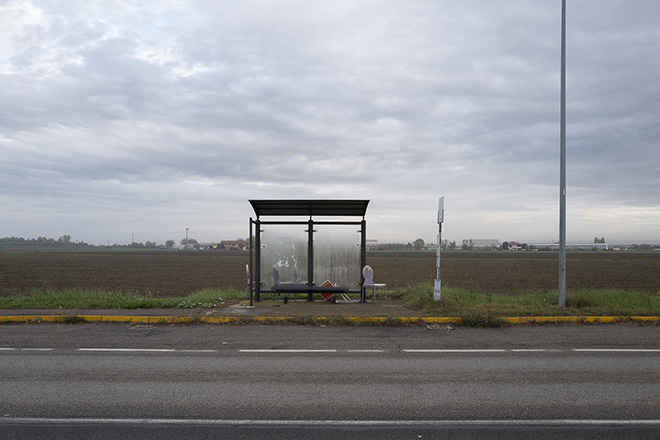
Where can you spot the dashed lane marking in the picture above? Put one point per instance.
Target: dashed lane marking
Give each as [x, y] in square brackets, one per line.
[285, 351]
[131, 350]
[449, 350]
[25, 349]
[617, 350]
[353, 351]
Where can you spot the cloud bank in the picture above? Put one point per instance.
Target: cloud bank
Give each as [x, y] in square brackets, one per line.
[139, 119]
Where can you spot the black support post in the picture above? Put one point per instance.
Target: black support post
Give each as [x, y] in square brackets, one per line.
[257, 263]
[310, 257]
[363, 255]
[251, 268]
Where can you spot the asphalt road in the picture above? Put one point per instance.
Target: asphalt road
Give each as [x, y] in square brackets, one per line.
[313, 382]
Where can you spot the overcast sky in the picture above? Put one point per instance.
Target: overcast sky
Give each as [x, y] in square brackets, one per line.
[122, 119]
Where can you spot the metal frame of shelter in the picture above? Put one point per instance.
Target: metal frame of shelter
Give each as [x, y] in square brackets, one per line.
[309, 209]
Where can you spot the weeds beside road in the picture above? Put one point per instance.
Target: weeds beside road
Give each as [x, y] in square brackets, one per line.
[473, 308]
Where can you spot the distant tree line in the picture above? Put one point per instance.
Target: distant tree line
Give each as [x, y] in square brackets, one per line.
[19, 243]
[469, 245]
[65, 243]
[642, 247]
[62, 243]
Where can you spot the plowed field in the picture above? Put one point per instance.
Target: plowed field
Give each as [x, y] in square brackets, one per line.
[174, 273]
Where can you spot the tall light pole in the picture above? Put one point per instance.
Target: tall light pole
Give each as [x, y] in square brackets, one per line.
[562, 165]
[187, 237]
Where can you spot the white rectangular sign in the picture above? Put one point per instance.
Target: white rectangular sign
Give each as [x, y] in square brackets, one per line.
[441, 210]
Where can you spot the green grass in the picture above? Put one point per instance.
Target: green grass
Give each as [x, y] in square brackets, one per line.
[98, 299]
[470, 304]
[475, 308]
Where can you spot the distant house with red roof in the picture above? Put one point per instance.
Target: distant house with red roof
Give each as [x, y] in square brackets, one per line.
[515, 246]
[234, 245]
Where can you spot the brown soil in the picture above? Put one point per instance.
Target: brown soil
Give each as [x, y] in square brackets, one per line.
[174, 273]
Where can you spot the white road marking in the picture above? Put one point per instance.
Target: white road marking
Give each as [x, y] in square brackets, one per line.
[131, 350]
[25, 349]
[449, 350]
[533, 350]
[284, 351]
[617, 350]
[257, 422]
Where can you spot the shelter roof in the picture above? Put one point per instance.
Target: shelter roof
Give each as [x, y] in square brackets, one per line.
[310, 207]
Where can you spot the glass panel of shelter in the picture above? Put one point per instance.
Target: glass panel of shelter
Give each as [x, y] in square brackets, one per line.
[283, 249]
[337, 255]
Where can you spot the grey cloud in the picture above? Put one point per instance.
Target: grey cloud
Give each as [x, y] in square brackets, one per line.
[182, 108]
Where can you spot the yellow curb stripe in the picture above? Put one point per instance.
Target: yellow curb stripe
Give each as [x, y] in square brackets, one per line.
[645, 318]
[577, 319]
[321, 319]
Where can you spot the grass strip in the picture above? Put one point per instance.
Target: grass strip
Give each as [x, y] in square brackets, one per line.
[99, 299]
[473, 305]
[474, 308]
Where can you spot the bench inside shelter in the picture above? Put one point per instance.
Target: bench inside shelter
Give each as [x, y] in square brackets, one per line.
[309, 290]
[299, 287]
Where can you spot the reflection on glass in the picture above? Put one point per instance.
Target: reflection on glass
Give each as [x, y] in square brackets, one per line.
[283, 249]
[337, 255]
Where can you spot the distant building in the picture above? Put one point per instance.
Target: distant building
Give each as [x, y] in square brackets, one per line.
[237, 245]
[205, 245]
[515, 246]
[574, 246]
[485, 243]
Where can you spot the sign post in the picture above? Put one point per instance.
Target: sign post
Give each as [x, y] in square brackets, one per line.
[437, 293]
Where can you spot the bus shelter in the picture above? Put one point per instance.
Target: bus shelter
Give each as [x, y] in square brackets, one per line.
[308, 247]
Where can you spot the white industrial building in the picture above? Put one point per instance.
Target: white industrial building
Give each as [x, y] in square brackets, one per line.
[485, 243]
